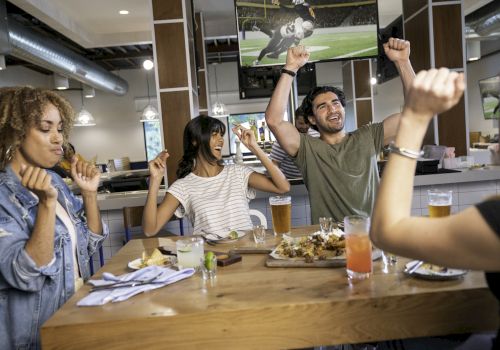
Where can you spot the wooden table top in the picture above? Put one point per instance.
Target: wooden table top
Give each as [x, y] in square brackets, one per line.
[253, 306]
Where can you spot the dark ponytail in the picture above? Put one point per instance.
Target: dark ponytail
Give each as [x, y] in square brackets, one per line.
[197, 134]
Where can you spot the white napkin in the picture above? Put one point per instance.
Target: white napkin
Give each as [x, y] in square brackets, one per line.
[163, 276]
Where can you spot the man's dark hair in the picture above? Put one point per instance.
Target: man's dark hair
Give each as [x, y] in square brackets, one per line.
[307, 103]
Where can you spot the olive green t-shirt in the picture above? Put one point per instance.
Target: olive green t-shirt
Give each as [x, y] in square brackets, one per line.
[342, 178]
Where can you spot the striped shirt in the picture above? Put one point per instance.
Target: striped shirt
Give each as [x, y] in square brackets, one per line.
[286, 163]
[217, 203]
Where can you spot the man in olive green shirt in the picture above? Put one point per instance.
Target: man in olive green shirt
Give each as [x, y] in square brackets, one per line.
[339, 168]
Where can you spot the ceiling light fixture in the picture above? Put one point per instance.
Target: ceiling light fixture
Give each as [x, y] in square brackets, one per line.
[473, 50]
[88, 91]
[219, 109]
[60, 82]
[123, 12]
[2, 62]
[84, 117]
[149, 113]
[148, 64]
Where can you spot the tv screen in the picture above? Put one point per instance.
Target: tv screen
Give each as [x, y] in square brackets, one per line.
[258, 82]
[251, 121]
[330, 29]
[386, 70]
[490, 97]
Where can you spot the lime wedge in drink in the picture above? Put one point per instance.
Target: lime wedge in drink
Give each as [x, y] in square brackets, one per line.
[209, 260]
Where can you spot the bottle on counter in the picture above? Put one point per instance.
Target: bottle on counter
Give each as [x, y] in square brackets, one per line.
[262, 132]
[253, 127]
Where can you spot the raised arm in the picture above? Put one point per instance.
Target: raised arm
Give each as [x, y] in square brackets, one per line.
[277, 183]
[155, 216]
[287, 135]
[464, 240]
[398, 51]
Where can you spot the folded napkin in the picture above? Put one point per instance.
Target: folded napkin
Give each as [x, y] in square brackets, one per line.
[162, 277]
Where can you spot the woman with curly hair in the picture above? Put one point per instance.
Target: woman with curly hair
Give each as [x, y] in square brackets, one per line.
[47, 235]
[213, 196]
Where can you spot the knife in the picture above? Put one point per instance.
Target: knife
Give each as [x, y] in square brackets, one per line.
[122, 285]
[414, 267]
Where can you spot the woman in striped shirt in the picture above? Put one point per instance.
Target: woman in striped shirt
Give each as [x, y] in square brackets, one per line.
[212, 195]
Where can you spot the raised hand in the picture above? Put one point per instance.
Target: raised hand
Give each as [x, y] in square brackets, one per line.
[85, 175]
[434, 91]
[157, 166]
[38, 181]
[246, 136]
[397, 50]
[296, 57]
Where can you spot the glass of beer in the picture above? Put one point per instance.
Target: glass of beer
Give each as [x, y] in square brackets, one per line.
[281, 209]
[439, 203]
[358, 247]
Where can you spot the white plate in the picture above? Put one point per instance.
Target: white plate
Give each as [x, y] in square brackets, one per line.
[135, 264]
[425, 273]
[214, 239]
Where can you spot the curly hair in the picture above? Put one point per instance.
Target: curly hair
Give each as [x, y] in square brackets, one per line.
[197, 134]
[21, 108]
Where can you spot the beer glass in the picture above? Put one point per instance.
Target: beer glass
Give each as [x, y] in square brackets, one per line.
[281, 209]
[439, 203]
[358, 247]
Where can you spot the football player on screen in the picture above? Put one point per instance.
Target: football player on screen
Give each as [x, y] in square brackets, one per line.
[290, 33]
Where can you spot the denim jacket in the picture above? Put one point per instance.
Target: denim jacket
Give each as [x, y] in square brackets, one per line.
[29, 294]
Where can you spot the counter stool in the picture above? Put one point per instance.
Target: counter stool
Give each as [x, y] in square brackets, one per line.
[132, 217]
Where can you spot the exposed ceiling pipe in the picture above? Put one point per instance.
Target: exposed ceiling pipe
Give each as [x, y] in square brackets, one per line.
[485, 21]
[33, 47]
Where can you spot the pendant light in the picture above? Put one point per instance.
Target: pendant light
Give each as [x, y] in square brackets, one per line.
[219, 109]
[84, 117]
[149, 113]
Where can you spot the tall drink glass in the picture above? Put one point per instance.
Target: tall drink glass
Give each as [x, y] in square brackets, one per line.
[281, 209]
[439, 203]
[358, 247]
[190, 252]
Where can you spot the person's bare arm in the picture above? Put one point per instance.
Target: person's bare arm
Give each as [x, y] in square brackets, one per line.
[155, 216]
[398, 51]
[464, 240]
[276, 182]
[287, 135]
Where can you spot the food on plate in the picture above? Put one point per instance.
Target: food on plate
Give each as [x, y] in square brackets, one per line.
[434, 268]
[156, 258]
[316, 246]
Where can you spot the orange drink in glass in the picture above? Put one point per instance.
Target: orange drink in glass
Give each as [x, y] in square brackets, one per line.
[358, 247]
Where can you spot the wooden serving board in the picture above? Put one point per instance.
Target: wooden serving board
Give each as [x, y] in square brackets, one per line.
[338, 262]
[251, 250]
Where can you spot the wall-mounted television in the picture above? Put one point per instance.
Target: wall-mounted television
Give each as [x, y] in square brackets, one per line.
[490, 97]
[330, 29]
[386, 70]
[247, 120]
[258, 82]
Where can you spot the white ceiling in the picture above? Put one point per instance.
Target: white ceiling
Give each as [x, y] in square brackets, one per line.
[97, 23]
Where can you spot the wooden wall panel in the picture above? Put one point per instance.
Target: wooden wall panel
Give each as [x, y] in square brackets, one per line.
[362, 79]
[167, 9]
[170, 51]
[175, 116]
[451, 125]
[202, 90]
[448, 36]
[417, 32]
[412, 6]
[200, 57]
[363, 112]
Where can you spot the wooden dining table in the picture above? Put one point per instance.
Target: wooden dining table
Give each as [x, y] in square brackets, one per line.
[250, 305]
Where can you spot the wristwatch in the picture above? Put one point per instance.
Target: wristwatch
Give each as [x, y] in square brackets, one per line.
[289, 72]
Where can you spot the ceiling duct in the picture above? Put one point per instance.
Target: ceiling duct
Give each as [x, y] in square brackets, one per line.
[484, 21]
[33, 47]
